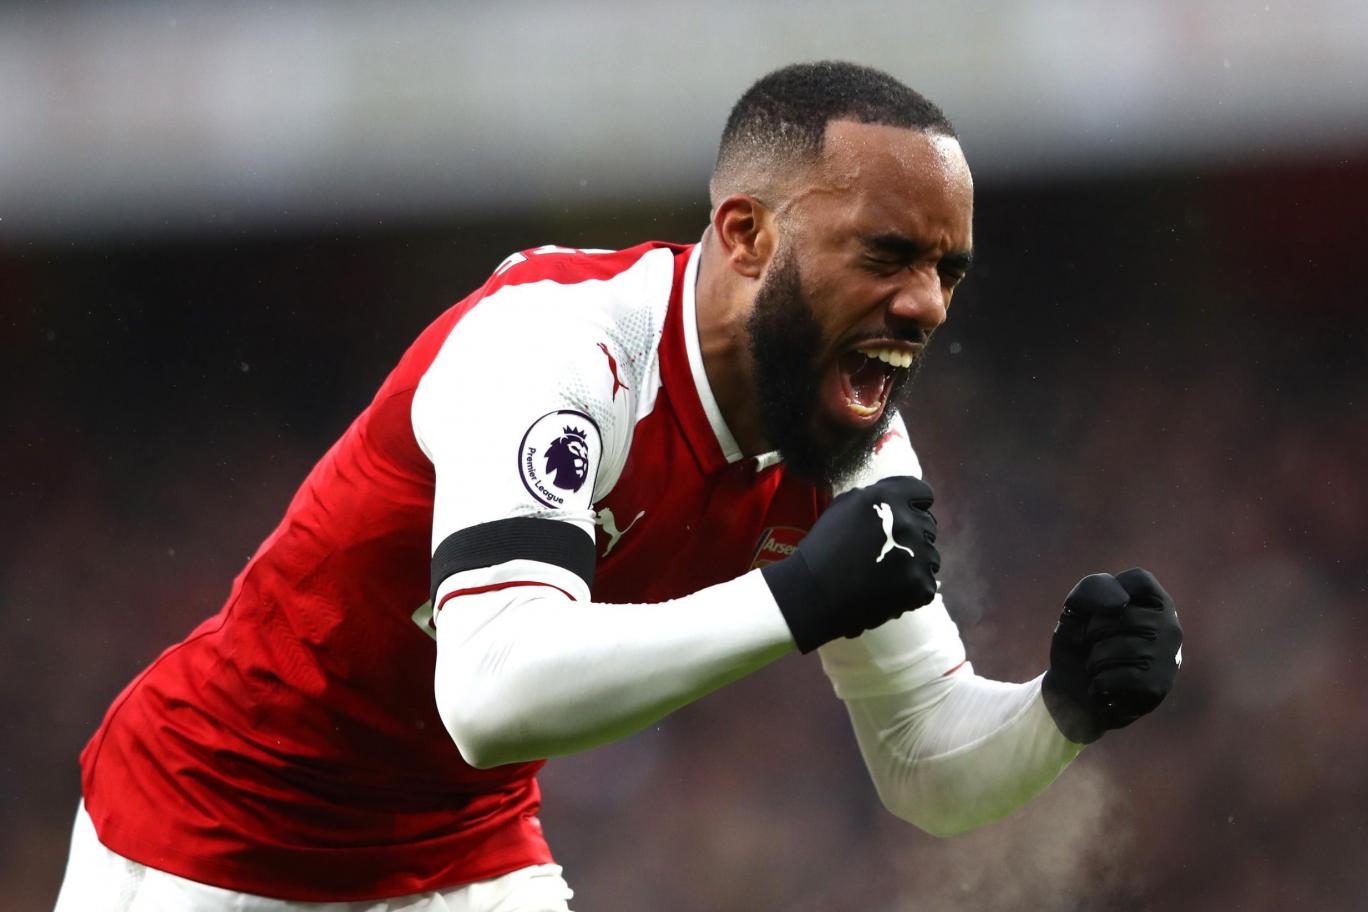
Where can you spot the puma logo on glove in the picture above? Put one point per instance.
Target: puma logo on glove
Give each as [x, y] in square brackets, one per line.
[886, 517]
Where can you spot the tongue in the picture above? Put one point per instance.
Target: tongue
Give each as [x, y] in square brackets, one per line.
[865, 378]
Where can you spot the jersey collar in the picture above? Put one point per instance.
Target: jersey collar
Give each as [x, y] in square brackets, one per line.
[731, 452]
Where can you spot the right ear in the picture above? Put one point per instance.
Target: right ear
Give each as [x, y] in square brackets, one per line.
[745, 228]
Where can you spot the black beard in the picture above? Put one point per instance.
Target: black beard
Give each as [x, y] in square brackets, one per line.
[784, 342]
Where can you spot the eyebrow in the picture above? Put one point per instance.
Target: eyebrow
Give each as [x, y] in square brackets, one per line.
[900, 246]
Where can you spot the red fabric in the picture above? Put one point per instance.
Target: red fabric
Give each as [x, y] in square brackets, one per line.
[291, 745]
[495, 587]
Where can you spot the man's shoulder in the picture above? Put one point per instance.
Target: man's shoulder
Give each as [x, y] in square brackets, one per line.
[557, 298]
[555, 330]
[554, 308]
[558, 265]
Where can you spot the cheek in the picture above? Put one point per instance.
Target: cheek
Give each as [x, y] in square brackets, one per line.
[855, 303]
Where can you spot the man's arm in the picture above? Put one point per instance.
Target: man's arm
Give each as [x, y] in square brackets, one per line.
[530, 670]
[528, 673]
[949, 750]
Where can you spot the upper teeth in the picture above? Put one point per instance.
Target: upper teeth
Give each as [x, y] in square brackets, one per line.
[888, 355]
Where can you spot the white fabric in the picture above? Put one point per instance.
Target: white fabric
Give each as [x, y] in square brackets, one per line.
[524, 673]
[523, 353]
[960, 751]
[897, 657]
[951, 752]
[98, 880]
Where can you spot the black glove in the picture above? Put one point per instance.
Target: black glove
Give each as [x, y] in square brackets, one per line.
[1114, 654]
[870, 557]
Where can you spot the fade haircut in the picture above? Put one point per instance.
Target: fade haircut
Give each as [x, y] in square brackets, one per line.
[780, 122]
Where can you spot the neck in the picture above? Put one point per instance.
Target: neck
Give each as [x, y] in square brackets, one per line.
[722, 305]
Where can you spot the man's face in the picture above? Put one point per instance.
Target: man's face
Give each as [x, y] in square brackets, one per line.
[873, 242]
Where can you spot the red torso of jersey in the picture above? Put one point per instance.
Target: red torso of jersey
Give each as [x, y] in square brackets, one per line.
[291, 746]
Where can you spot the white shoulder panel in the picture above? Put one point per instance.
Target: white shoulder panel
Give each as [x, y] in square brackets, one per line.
[529, 406]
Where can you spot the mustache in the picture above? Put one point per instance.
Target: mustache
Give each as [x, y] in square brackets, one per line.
[912, 335]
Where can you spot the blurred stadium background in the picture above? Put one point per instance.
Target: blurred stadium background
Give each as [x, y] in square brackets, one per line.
[220, 224]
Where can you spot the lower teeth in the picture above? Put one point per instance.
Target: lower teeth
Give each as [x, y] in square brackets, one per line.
[862, 410]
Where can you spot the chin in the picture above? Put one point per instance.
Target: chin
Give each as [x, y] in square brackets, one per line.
[831, 453]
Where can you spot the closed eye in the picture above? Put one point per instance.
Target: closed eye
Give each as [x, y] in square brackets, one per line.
[889, 252]
[884, 266]
[952, 277]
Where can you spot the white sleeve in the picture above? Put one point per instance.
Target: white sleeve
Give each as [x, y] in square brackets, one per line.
[956, 751]
[524, 674]
[946, 749]
[521, 411]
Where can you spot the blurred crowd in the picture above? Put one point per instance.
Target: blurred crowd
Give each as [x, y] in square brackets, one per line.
[1165, 370]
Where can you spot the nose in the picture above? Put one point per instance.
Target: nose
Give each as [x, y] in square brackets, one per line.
[921, 299]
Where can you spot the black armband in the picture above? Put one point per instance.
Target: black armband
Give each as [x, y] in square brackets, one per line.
[550, 541]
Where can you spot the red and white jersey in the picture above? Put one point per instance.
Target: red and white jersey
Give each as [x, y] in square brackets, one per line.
[291, 746]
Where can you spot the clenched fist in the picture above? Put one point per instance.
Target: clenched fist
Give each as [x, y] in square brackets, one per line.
[1114, 655]
[870, 557]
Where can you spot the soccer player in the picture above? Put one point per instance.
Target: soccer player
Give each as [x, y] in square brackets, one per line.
[603, 485]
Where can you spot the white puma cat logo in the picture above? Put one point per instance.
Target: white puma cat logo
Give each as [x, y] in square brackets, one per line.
[606, 519]
[886, 517]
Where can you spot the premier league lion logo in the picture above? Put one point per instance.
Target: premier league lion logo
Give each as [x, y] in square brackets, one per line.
[557, 456]
[567, 460]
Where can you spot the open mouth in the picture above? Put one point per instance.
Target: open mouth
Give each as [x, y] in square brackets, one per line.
[866, 377]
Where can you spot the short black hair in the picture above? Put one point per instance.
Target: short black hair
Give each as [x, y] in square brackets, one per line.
[784, 115]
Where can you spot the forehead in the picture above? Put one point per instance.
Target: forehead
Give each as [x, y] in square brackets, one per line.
[874, 178]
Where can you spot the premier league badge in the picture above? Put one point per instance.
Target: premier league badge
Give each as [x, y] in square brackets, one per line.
[557, 457]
